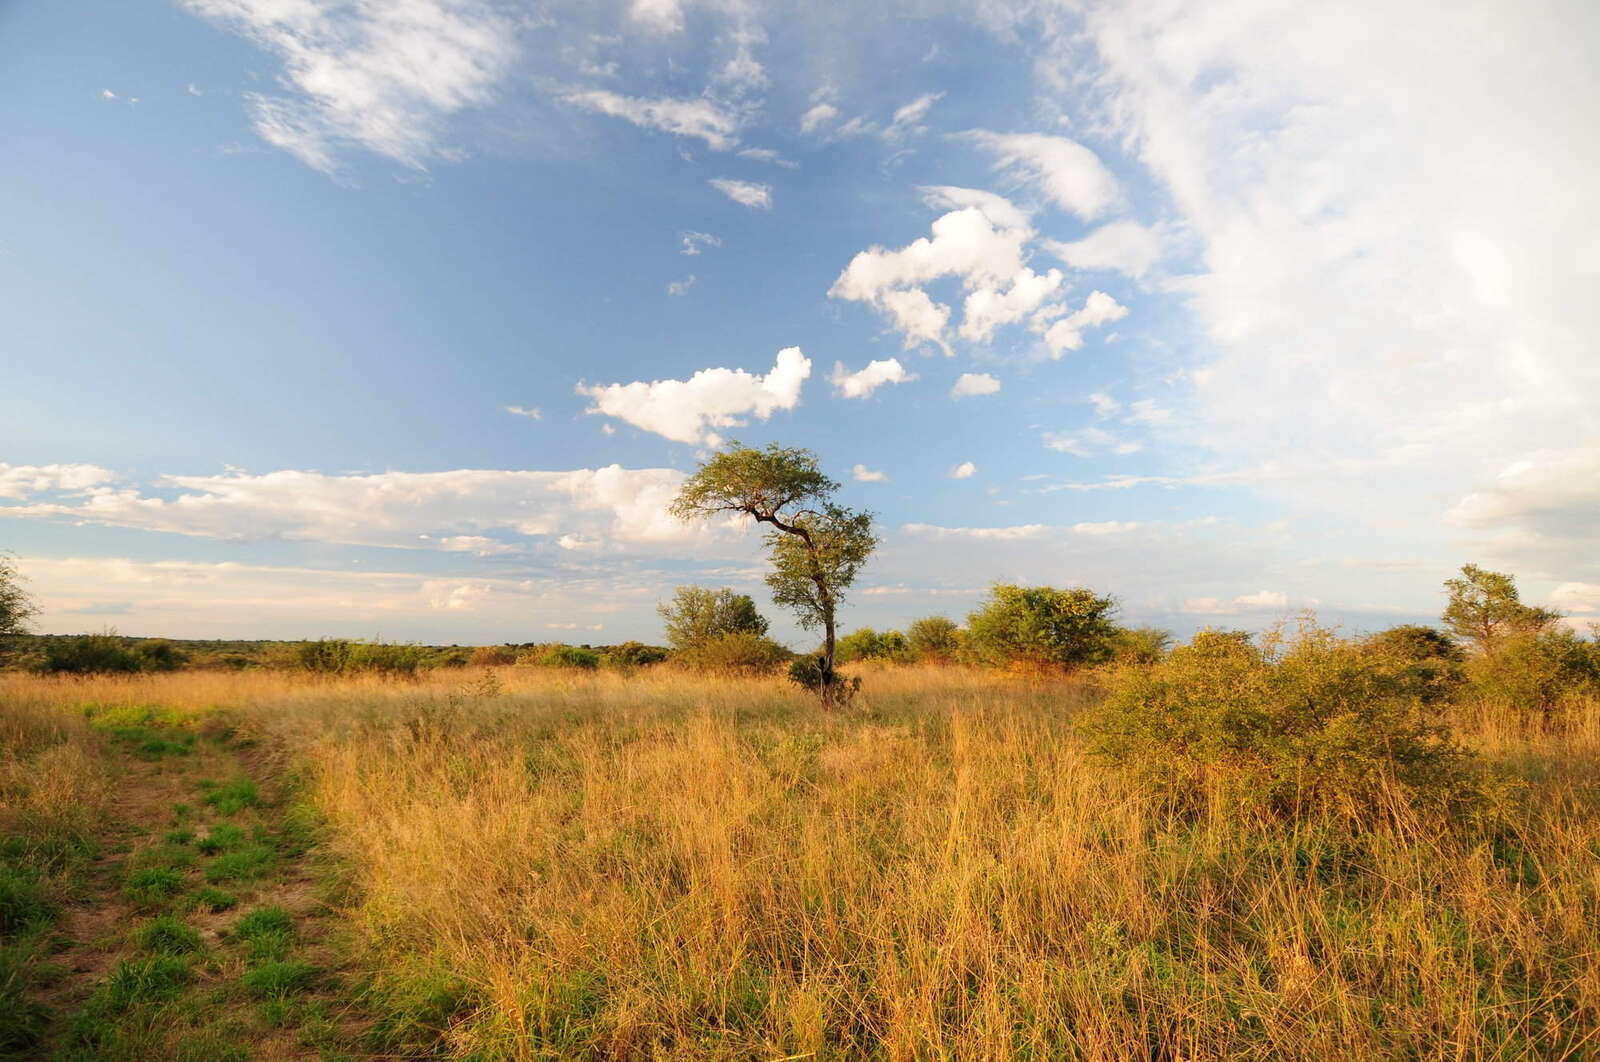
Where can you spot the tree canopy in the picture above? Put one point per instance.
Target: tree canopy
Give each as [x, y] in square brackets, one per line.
[16, 607]
[697, 614]
[1484, 608]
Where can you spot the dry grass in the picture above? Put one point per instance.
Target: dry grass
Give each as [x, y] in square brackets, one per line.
[595, 866]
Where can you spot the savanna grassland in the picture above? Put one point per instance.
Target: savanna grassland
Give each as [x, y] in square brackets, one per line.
[525, 863]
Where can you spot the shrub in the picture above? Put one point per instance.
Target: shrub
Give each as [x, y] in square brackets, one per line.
[559, 655]
[1536, 672]
[1140, 646]
[1424, 659]
[630, 655]
[807, 671]
[868, 644]
[158, 654]
[934, 639]
[738, 653]
[698, 614]
[325, 656]
[91, 654]
[1307, 725]
[493, 656]
[338, 656]
[1041, 627]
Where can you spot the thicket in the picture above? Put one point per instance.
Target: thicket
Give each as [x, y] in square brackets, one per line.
[340, 656]
[109, 654]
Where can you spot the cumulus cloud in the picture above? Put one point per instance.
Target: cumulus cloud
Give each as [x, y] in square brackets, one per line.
[863, 382]
[1067, 333]
[965, 470]
[969, 384]
[383, 77]
[1121, 247]
[988, 308]
[863, 474]
[1071, 174]
[745, 193]
[698, 118]
[19, 481]
[687, 411]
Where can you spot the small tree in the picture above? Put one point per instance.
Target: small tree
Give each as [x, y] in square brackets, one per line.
[16, 607]
[816, 547]
[1484, 608]
[697, 614]
[1040, 626]
[934, 638]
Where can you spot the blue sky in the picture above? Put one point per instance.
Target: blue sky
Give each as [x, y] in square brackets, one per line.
[1225, 309]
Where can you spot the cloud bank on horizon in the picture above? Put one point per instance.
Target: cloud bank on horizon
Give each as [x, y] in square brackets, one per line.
[1230, 309]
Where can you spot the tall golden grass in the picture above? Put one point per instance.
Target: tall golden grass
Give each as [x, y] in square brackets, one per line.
[660, 866]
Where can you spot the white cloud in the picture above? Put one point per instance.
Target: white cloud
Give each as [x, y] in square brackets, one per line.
[19, 481]
[919, 319]
[1003, 534]
[1001, 212]
[696, 242]
[450, 511]
[1089, 442]
[382, 76]
[1071, 174]
[1261, 601]
[1268, 599]
[974, 383]
[530, 412]
[1148, 411]
[1067, 333]
[863, 382]
[698, 118]
[681, 287]
[1576, 597]
[1122, 247]
[908, 118]
[107, 94]
[455, 597]
[194, 90]
[863, 474]
[818, 116]
[1104, 405]
[745, 193]
[767, 155]
[659, 16]
[688, 410]
[1106, 527]
[988, 308]
[965, 470]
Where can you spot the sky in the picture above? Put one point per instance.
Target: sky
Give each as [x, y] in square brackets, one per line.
[405, 318]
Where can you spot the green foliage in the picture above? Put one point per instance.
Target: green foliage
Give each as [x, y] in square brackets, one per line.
[697, 614]
[16, 607]
[741, 652]
[23, 1019]
[221, 838]
[1140, 646]
[266, 932]
[241, 864]
[494, 656]
[25, 904]
[136, 981]
[1536, 672]
[811, 672]
[1485, 608]
[1042, 627]
[214, 899]
[1425, 657]
[813, 564]
[339, 656]
[275, 980]
[233, 797]
[168, 935]
[868, 644]
[560, 655]
[934, 639]
[151, 886]
[631, 655]
[91, 654]
[158, 654]
[1305, 726]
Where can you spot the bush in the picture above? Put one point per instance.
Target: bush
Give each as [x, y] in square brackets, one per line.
[631, 655]
[807, 671]
[158, 654]
[1041, 627]
[339, 656]
[1426, 660]
[738, 653]
[493, 656]
[868, 644]
[91, 654]
[1304, 726]
[697, 615]
[1140, 646]
[559, 655]
[1537, 673]
[934, 639]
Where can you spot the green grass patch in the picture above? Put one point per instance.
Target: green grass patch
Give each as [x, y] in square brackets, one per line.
[244, 864]
[230, 798]
[181, 812]
[211, 898]
[152, 886]
[153, 980]
[172, 855]
[23, 1020]
[266, 933]
[221, 838]
[169, 935]
[181, 835]
[277, 980]
[25, 904]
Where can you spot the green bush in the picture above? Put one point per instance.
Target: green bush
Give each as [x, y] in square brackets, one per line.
[339, 656]
[739, 653]
[1140, 646]
[934, 639]
[1302, 726]
[807, 672]
[1536, 673]
[562, 656]
[699, 614]
[158, 654]
[631, 655]
[91, 654]
[1425, 659]
[868, 644]
[1040, 627]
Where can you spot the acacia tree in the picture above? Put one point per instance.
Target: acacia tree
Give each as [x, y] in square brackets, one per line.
[16, 607]
[1484, 608]
[697, 614]
[816, 547]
